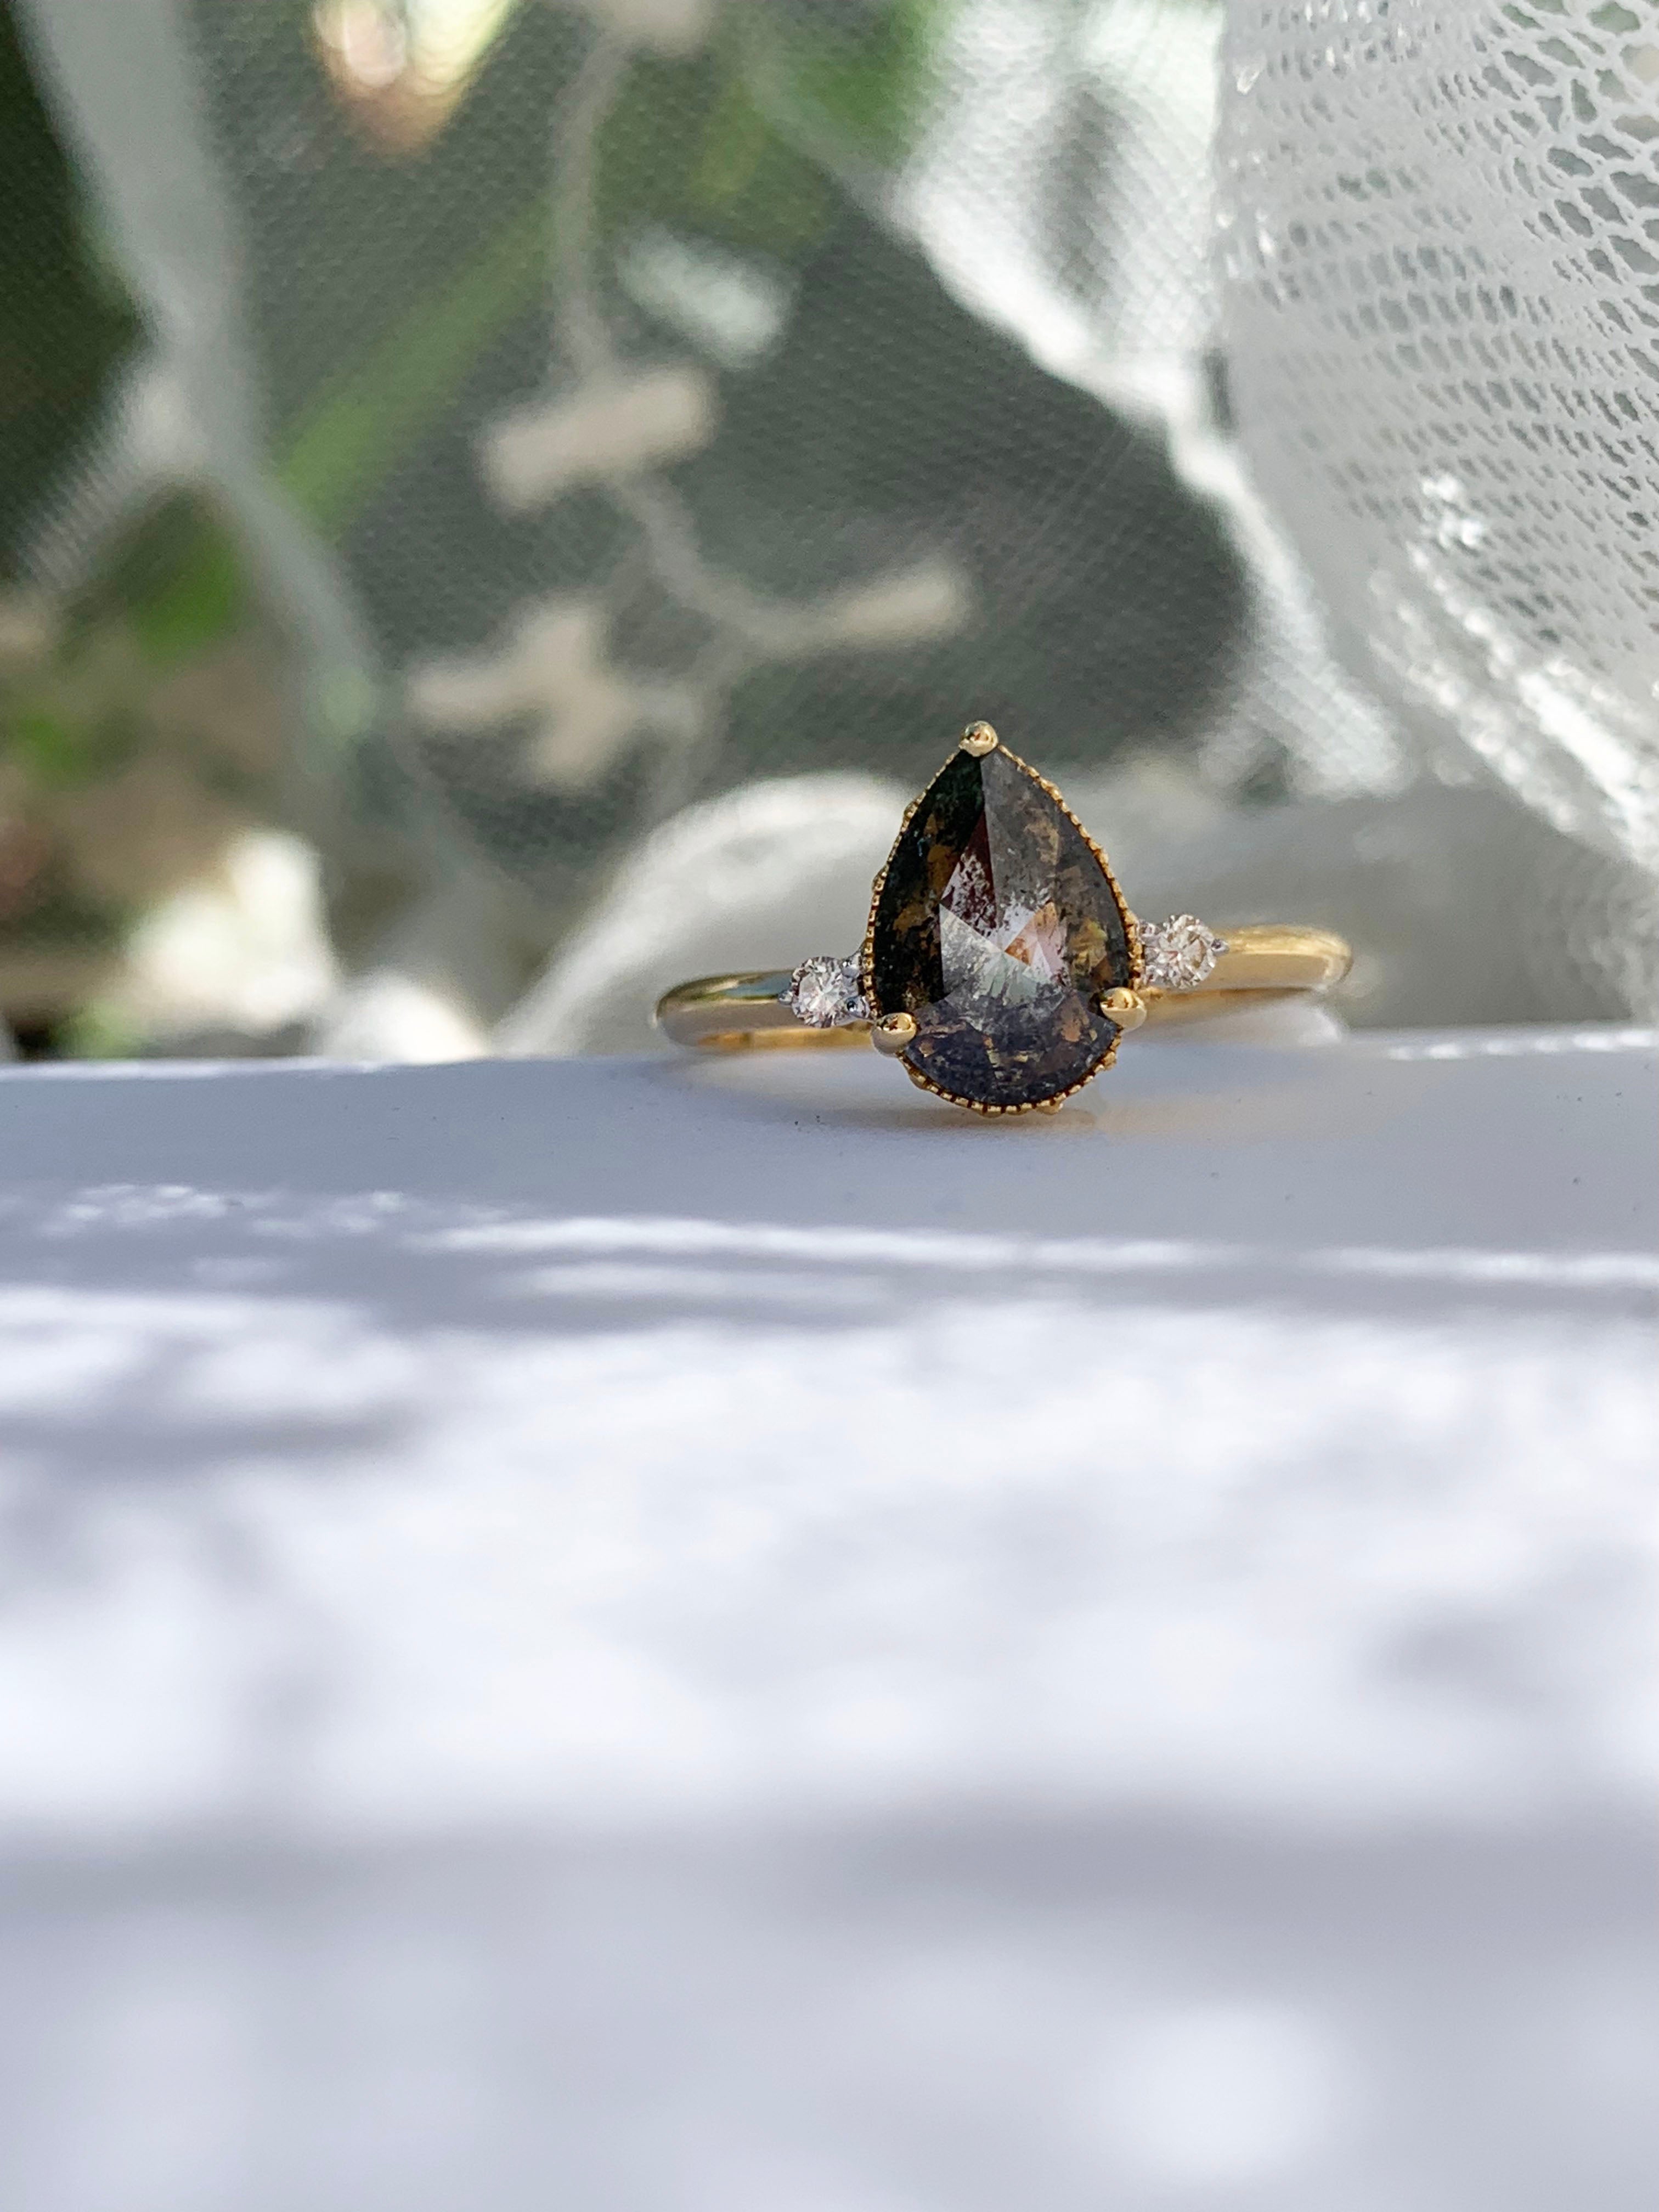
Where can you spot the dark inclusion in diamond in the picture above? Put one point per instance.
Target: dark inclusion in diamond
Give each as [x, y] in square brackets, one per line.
[998, 929]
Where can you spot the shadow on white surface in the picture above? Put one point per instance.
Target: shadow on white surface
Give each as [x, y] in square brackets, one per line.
[690, 1645]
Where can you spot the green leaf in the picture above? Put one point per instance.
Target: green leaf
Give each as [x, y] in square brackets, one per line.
[47, 745]
[352, 437]
[175, 580]
[192, 605]
[686, 145]
[867, 88]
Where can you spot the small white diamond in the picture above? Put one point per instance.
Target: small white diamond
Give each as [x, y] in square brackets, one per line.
[825, 992]
[1179, 952]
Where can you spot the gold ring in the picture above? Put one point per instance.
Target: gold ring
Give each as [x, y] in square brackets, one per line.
[1001, 965]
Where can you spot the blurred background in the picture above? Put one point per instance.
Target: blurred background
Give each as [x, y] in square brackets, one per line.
[501, 502]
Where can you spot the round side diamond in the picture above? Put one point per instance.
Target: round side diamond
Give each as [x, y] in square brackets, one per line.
[824, 992]
[1179, 952]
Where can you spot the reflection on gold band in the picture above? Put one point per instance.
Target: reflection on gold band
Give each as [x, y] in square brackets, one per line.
[1263, 962]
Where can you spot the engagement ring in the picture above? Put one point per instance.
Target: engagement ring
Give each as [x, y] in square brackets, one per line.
[1001, 965]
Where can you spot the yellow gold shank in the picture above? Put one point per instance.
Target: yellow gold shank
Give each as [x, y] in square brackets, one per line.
[1263, 962]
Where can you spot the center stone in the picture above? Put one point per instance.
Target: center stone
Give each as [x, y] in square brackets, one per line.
[998, 929]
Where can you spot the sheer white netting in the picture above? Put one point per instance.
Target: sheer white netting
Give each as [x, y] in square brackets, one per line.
[1441, 230]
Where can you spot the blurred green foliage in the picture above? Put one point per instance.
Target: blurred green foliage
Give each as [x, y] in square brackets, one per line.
[863, 87]
[66, 328]
[701, 146]
[171, 585]
[171, 588]
[746, 144]
[177, 579]
[361, 425]
[687, 146]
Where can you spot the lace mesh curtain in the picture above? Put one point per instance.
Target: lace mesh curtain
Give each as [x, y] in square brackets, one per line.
[571, 468]
[1441, 247]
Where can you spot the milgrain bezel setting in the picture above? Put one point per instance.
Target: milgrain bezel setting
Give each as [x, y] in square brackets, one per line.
[978, 739]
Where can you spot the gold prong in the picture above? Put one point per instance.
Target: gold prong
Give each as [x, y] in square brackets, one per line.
[893, 1032]
[1050, 1105]
[1127, 1008]
[978, 738]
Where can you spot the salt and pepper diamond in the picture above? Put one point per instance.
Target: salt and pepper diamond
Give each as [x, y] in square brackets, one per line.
[824, 992]
[996, 935]
[1179, 953]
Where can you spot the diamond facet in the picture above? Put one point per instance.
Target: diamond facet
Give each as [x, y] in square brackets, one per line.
[998, 929]
[825, 992]
[1179, 953]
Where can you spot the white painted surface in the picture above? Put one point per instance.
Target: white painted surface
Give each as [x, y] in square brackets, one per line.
[620, 1634]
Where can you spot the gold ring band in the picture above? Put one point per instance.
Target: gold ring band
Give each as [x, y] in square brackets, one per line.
[1001, 965]
[1264, 962]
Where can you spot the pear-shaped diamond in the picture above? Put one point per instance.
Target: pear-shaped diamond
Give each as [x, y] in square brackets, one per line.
[997, 928]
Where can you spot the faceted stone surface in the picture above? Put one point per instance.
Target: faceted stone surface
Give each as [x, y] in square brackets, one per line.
[998, 929]
[824, 992]
[1179, 953]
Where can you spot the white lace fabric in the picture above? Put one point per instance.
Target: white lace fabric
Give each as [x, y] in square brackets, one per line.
[1441, 230]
